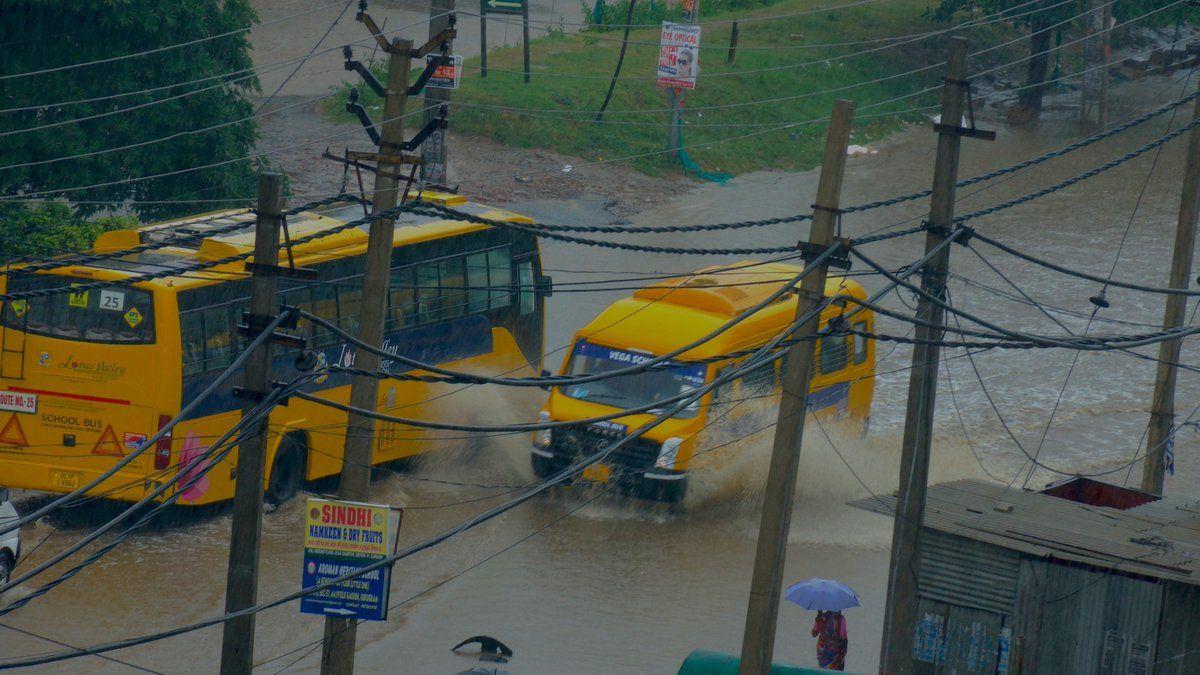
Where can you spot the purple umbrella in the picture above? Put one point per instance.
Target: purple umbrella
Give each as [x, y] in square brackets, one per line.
[822, 594]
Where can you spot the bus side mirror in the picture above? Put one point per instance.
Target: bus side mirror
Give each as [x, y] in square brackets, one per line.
[545, 286]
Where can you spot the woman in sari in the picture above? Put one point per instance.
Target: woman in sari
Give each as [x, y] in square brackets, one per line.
[832, 644]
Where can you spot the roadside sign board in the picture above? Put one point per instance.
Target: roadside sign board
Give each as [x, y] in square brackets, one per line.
[339, 538]
[504, 6]
[690, 9]
[446, 76]
[678, 55]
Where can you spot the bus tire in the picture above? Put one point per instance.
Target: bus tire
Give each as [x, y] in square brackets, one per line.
[287, 472]
[6, 565]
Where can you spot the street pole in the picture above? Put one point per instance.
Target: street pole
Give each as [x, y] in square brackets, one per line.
[525, 36]
[674, 101]
[733, 40]
[758, 641]
[675, 95]
[1106, 58]
[434, 166]
[482, 38]
[1162, 410]
[241, 580]
[900, 614]
[337, 652]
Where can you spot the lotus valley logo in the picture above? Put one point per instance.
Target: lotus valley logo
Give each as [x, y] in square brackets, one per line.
[98, 369]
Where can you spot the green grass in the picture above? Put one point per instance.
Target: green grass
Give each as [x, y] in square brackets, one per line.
[594, 55]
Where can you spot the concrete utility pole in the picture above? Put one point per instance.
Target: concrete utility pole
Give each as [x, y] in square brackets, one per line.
[1162, 410]
[434, 167]
[899, 617]
[337, 652]
[241, 581]
[758, 641]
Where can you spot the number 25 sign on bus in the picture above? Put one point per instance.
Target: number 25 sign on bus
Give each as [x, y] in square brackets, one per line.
[341, 538]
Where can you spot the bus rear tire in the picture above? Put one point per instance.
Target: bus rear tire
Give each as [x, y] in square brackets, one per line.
[287, 473]
[6, 565]
[542, 466]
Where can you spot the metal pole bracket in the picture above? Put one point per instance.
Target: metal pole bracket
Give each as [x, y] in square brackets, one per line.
[810, 252]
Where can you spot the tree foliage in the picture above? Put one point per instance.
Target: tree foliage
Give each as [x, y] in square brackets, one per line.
[41, 34]
[50, 228]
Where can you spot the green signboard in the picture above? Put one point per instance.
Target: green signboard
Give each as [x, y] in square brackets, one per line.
[504, 6]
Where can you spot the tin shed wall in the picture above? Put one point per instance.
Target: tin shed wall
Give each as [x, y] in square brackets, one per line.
[1178, 650]
[1094, 621]
[967, 573]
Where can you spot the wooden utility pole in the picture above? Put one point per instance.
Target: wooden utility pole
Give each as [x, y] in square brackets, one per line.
[899, 617]
[733, 40]
[434, 166]
[758, 641]
[337, 652]
[241, 580]
[1162, 410]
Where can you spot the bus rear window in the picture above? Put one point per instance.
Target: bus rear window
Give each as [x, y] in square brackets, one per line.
[109, 314]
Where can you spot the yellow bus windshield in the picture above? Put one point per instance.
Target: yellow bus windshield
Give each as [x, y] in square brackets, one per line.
[633, 390]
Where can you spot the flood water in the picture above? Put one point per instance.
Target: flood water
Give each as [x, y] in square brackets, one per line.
[612, 586]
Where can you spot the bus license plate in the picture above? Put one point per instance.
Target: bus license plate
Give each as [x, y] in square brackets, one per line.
[64, 479]
[598, 473]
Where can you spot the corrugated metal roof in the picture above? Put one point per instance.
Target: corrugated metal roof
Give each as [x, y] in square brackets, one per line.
[1152, 540]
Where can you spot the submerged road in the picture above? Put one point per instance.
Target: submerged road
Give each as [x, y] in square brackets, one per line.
[619, 587]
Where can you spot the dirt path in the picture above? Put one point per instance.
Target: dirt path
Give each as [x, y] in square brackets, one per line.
[486, 171]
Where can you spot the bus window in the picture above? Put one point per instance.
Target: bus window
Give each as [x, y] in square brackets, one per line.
[500, 277]
[832, 356]
[429, 305]
[218, 337]
[402, 303]
[525, 279]
[452, 281]
[115, 314]
[349, 304]
[477, 279]
[191, 326]
[325, 307]
[860, 343]
[759, 380]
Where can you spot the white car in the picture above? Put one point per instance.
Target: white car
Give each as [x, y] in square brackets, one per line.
[10, 542]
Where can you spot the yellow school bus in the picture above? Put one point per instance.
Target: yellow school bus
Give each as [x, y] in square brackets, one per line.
[88, 376]
[662, 318]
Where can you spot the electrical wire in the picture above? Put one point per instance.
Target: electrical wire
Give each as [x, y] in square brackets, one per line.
[187, 410]
[445, 535]
[259, 412]
[61, 190]
[159, 50]
[768, 352]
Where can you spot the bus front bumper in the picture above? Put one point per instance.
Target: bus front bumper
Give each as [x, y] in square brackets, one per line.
[651, 483]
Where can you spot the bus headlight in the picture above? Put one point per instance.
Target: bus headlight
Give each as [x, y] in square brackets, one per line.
[541, 437]
[666, 456]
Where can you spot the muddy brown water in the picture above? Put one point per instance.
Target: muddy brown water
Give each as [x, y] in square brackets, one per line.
[620, 587]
